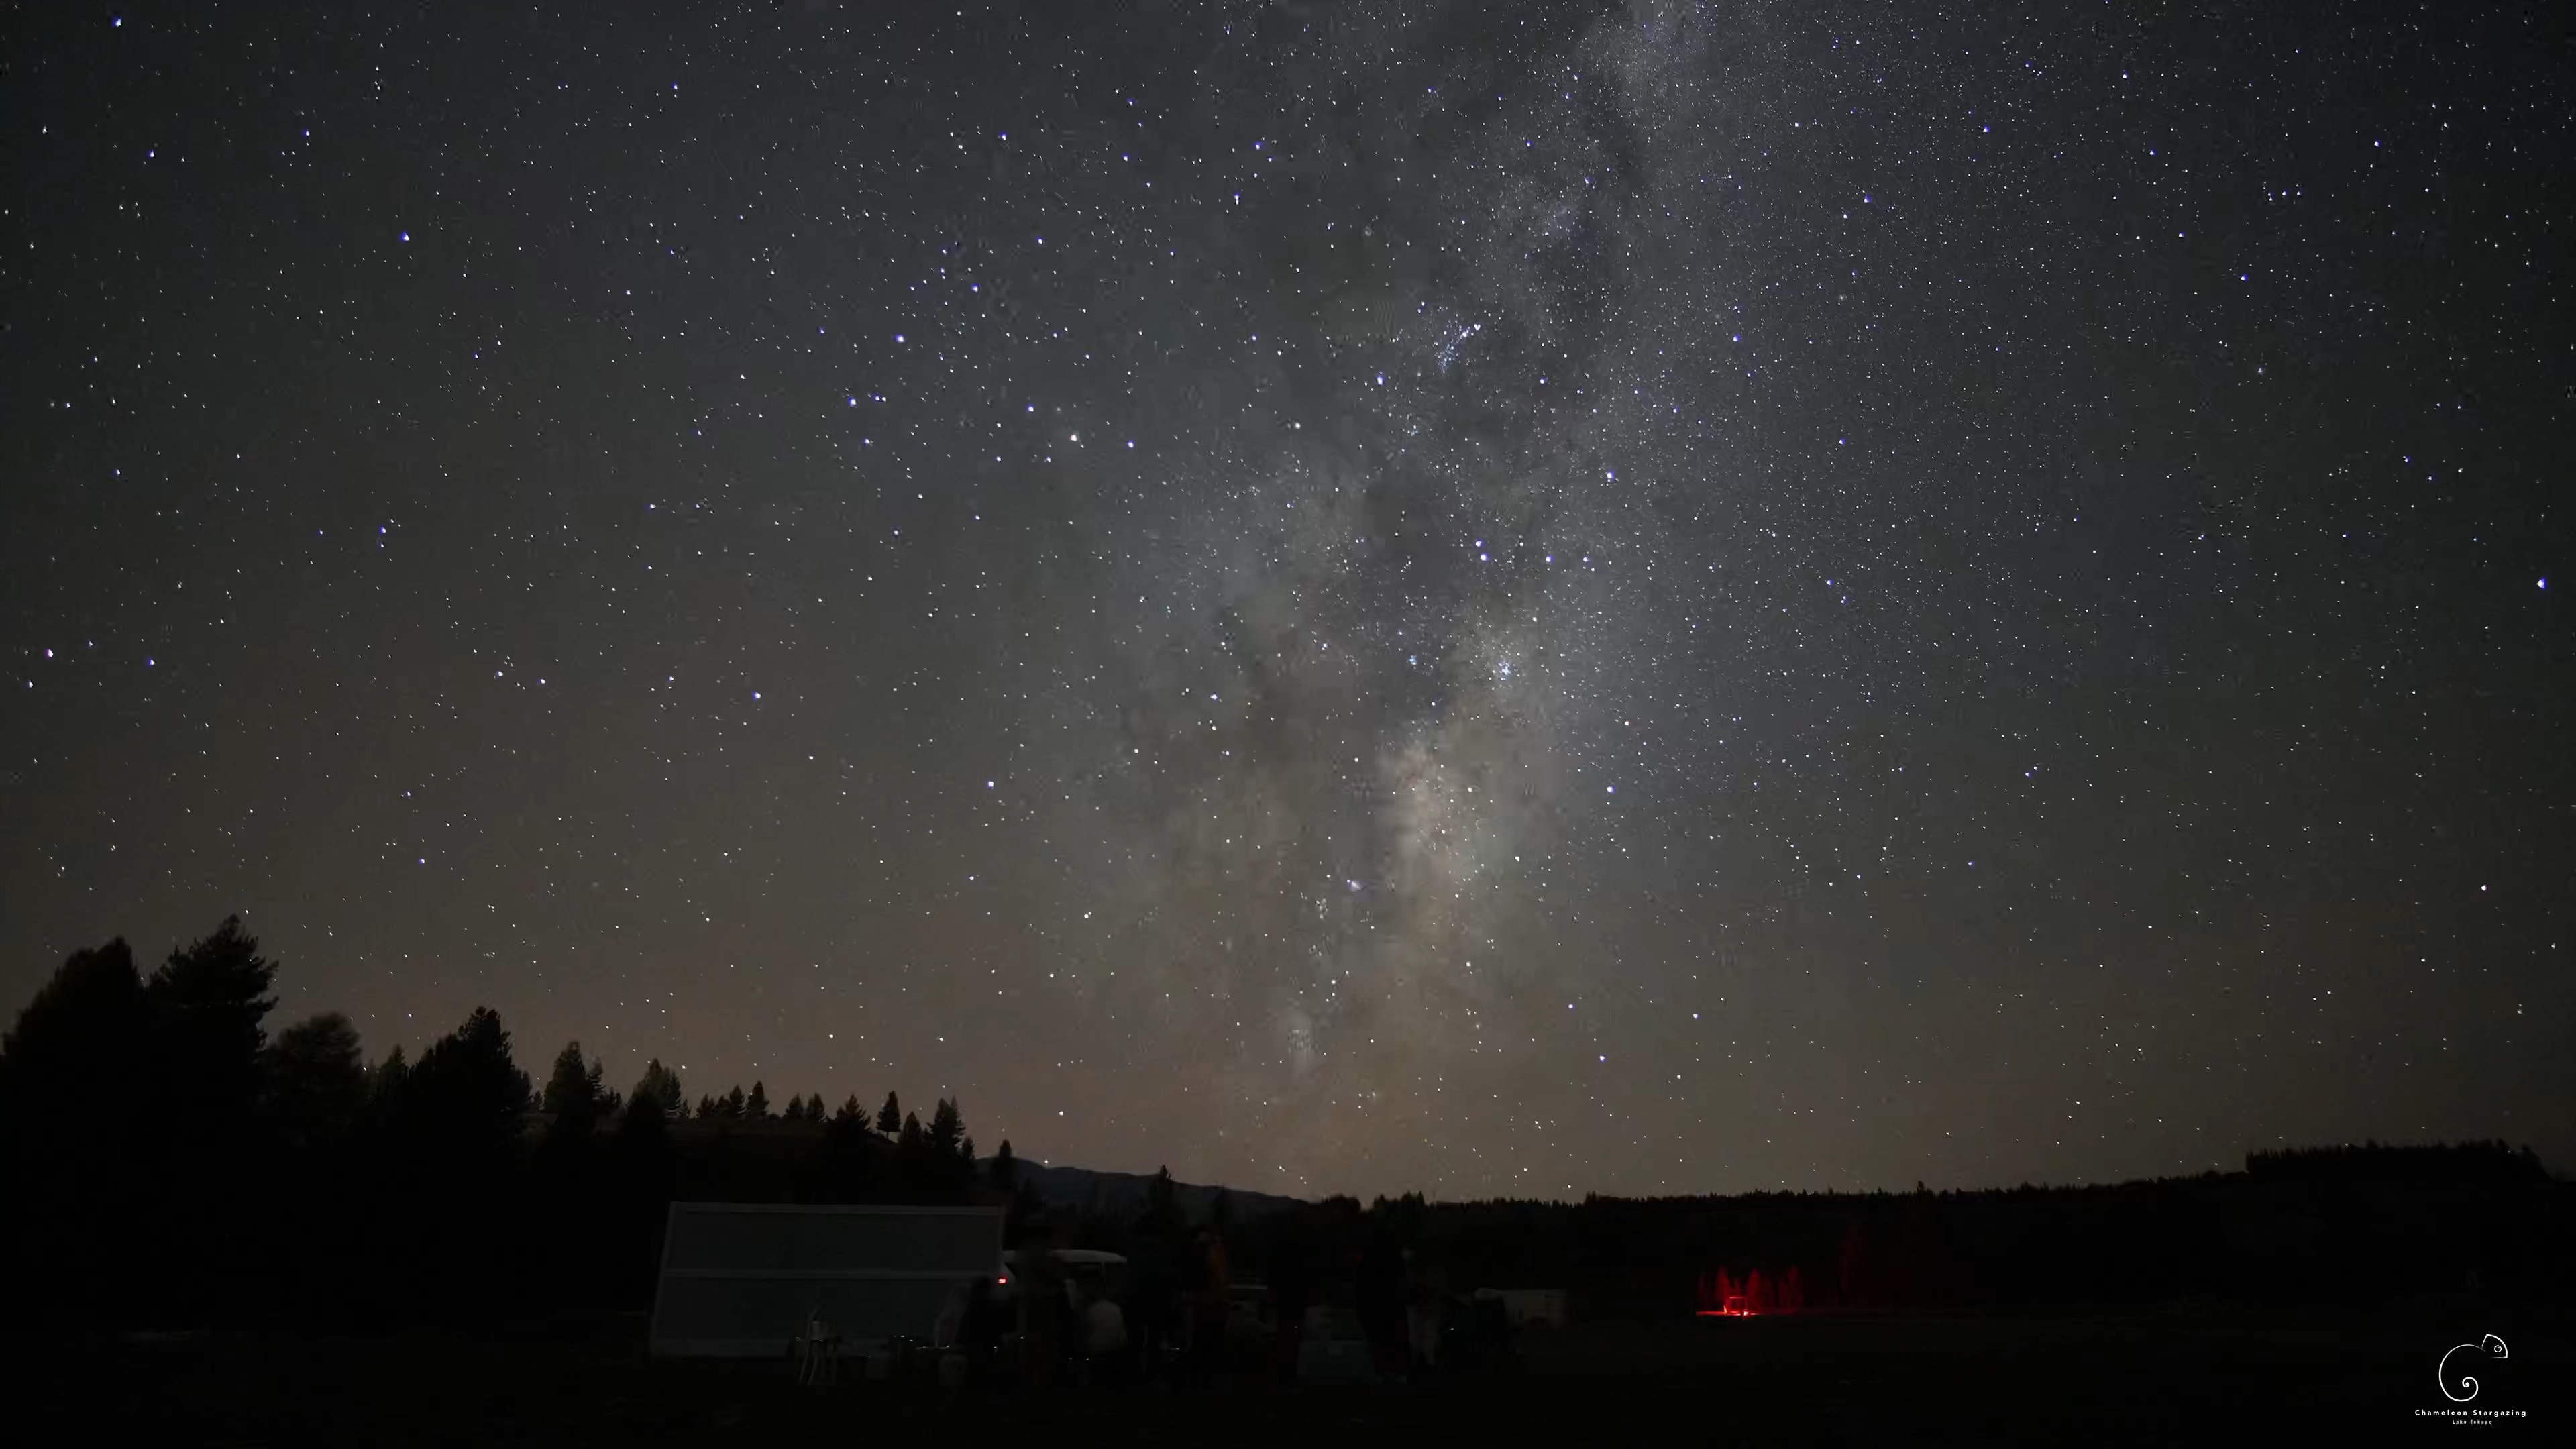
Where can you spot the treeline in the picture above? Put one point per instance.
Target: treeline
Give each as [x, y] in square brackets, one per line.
[171, 1160]
[2357, 1226]
[577, 1095]
[2437, 1164]
[935, 1158]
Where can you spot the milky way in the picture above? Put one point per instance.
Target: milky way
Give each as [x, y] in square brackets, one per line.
[1489, 599]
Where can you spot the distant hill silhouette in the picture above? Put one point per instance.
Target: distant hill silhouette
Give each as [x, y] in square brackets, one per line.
[1123, 1194]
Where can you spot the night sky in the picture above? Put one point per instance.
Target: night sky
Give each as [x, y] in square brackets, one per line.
[1484, 598]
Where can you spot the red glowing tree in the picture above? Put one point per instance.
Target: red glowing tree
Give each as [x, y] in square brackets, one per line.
[1721, 1294]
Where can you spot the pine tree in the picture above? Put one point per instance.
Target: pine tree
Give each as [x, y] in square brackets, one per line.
[577, 1097]
[733, 1104]
[661, 1086]
[757, 1107]
[604, 1100]
[645, 1122]
[207, 1001]
[466, 1094]
[947, 1125]
[386, 1082]
[1162, 1205]
[890, 1116]
[706, 1107]
[222, 976]
[568, 1089]
[851, 1111]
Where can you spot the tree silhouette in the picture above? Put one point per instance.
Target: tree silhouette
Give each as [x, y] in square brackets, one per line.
[1162, 1217]
[208, 1000]
[707, 1107]
[756, 1107]
[313, 1085]
[467, 1095]
[577, 1097]
[646, 1121]
[73, 1089]
[387, 1082]
[80, 1042]
[890, 1116]
[223, 979]
[334, 1191]
[660, 1086]
[568, 1086]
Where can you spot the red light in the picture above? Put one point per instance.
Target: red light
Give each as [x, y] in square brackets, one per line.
[1723, 1295]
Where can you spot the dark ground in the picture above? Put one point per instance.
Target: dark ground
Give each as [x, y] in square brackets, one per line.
[2143, 1377]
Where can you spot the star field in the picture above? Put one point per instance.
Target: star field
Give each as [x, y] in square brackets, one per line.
[1488, 599]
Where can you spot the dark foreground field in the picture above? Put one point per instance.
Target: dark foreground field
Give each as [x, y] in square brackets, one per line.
[1896, 1378]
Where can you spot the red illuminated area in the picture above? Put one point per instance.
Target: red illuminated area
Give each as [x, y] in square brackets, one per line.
[1723, 1295]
